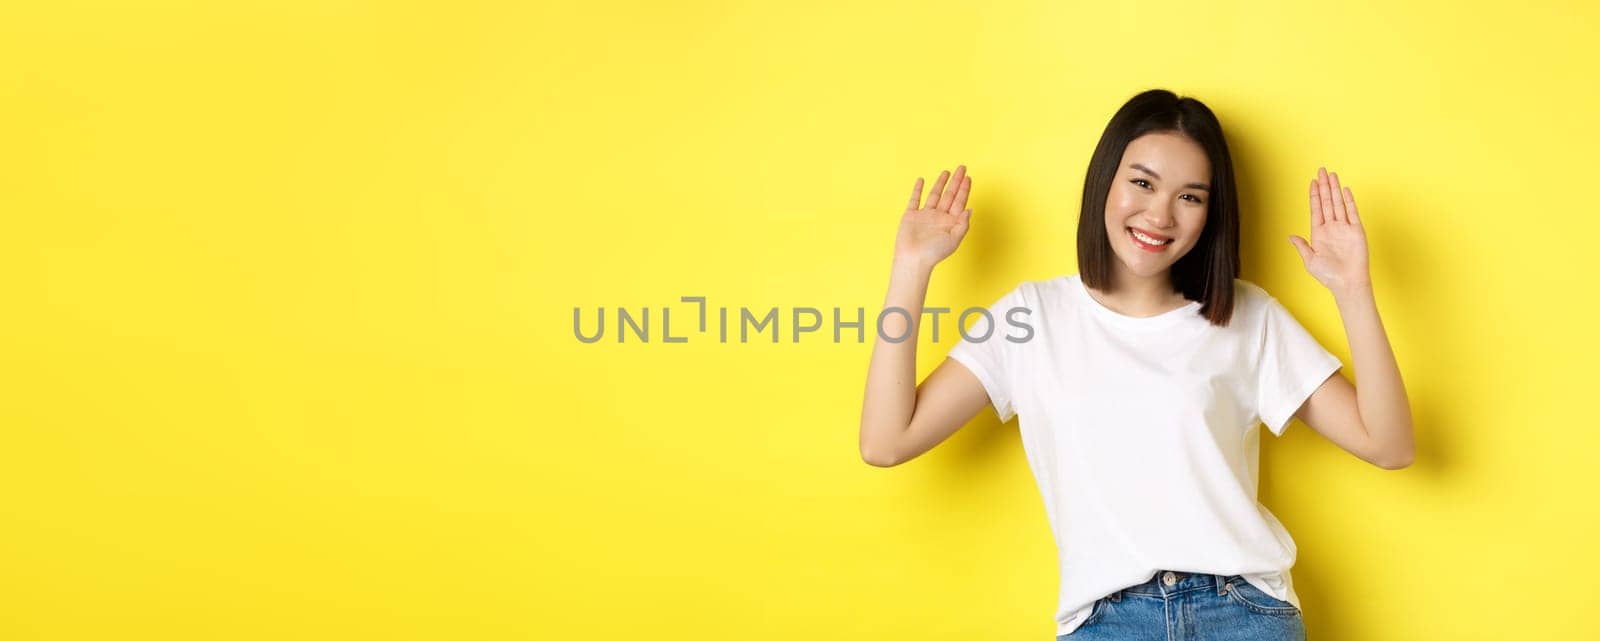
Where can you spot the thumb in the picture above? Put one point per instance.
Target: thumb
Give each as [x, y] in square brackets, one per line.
[1304, 248]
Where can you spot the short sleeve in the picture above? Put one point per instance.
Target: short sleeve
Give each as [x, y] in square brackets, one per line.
[988, 349]
[1292, 365]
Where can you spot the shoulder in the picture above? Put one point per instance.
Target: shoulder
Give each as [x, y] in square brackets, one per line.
[1250, 298]
[1056, 288]
[1034, 291]
[1253, 306]
[1260, 311]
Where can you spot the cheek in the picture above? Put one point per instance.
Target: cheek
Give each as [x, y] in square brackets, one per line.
[1195, 225]
[1118, 203]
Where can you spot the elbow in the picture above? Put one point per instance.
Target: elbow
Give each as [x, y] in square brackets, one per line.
[878, 454]
[1397, 461]
[878, 458]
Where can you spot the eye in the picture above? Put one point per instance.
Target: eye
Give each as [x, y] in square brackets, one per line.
[1141, 182]
[1193, 198]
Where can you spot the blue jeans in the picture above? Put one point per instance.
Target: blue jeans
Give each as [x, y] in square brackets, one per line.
[1195, 607]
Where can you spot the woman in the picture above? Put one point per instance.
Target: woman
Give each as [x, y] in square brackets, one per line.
[1141, 381]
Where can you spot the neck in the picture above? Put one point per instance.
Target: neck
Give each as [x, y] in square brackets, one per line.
[1136, 295]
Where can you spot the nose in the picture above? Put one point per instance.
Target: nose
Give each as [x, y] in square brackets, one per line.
[1160, 215]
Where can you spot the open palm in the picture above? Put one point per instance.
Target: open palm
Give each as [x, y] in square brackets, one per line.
[1337, 253]
[930, 232]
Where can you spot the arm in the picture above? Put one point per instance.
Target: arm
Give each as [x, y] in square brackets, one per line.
[899, 419]
[1373, 421]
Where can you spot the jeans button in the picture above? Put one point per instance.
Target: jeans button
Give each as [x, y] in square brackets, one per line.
[1168, 578]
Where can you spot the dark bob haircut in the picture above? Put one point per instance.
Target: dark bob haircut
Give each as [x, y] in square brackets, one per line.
[1206, 273]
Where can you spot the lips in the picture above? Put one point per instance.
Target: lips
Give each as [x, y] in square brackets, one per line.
[1151, 242]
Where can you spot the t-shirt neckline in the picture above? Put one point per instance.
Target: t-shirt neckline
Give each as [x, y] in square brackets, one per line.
[1142, 322]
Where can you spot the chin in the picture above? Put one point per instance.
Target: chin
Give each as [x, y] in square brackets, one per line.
[1145, 266]
[1146, 270]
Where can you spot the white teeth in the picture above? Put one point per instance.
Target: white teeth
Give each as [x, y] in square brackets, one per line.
[1148, 239]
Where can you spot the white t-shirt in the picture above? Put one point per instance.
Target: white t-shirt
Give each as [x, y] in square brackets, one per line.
[1143, 433]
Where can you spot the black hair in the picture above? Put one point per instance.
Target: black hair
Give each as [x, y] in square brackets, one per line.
[1207, 271]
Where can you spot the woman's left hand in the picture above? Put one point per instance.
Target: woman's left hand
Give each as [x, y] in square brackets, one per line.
[1337, 253]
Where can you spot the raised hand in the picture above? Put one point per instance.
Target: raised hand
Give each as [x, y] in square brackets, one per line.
[1337, 253]
[930, 232]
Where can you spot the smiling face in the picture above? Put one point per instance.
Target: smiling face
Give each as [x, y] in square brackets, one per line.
[1157, 205]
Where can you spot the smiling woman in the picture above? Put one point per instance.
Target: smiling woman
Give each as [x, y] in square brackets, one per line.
[1141, 398]
[1153, 170]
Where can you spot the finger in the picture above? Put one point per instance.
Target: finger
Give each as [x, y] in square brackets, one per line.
[960, 228]
[1325, 195]
[1316, 204]
[1304, 249]
[933, 194]
[1350, 206]
[1338, 198]
[961, 194]
[916, 196]
[949, 195]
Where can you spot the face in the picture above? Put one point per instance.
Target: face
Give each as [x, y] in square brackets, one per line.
[1162, 191]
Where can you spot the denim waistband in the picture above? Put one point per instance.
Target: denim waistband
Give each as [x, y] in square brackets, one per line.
[1158, 585]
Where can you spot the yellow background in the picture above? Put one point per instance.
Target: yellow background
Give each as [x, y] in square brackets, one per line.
[288, 286]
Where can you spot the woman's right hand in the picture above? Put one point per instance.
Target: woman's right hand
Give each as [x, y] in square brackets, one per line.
[931, 232]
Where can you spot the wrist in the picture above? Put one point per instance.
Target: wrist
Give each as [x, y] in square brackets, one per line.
[1353, 290]
[910, 266]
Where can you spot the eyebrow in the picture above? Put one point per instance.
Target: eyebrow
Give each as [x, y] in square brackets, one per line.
[1157, 176]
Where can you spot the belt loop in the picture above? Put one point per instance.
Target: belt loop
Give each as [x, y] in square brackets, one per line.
[1222, 584]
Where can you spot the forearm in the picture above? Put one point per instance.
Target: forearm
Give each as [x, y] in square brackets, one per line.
[1380, 394]
[891, 391]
